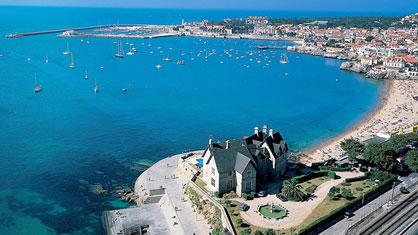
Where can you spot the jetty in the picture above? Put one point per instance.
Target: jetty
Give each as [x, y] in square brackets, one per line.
[25, 34]
[18, 35]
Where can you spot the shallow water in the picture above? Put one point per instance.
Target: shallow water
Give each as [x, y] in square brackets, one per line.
[52, 140]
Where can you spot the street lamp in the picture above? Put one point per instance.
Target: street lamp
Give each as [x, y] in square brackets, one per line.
[393, 190]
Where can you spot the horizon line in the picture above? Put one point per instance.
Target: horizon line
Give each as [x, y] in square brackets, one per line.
[208, 8]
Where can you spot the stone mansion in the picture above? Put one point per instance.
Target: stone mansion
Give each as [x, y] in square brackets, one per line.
[237, 165]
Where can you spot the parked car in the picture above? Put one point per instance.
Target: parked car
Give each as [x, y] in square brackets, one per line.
[281, 197]
[404, 190]
[262, 194]
[348, 214]
[244, 207]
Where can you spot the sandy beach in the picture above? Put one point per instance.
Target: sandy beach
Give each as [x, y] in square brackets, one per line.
[397, 110]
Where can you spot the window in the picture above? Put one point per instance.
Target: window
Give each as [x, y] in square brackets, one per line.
[248, 186]
[229, 185]
[230, 173]
[213, 171]
[212, 181]
[248, 173]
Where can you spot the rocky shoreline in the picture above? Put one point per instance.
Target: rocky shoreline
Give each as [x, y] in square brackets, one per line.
[370, 72]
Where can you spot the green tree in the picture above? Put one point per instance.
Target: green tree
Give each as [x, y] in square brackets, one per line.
[258, 233]
[292, 190]
[239, 222]
[380, 176]
[411, 160]
[216, 231]
[369, 38]
[246, 231]
[381, 154]
[270, 232]
[333, 193]
[332, 175]
[346, 193]
[399, 141]
[352, 147]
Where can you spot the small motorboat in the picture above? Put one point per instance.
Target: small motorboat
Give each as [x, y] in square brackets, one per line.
[415, 98]
[37, 89]
[158, 66]
[124, 89]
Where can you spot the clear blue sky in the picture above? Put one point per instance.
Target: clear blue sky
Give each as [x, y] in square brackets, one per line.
[286, 5]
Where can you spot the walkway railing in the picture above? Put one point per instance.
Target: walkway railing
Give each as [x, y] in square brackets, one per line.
[225, 219]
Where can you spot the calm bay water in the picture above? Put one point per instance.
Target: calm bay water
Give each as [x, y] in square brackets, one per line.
[52, 140]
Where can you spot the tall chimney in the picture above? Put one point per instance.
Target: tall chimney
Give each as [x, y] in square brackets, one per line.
[227, 144]
[256, 130]
[265, 127]
[271, 132]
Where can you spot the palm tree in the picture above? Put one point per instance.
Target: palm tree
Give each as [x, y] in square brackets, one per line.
[292, 190]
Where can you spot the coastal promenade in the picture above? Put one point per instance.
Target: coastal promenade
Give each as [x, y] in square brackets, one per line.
[178, 210]
[396, 110]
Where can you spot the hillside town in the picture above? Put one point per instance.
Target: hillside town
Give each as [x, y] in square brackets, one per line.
[379, 52]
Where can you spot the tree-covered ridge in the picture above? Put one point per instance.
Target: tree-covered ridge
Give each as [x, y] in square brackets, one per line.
[365, 22]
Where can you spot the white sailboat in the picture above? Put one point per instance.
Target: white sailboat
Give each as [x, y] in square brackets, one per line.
[86, 76]
[72, 64]
[283, 59]
[67, 51]
[96, 86]
[119, 53]
[38, 87]
[46, 60]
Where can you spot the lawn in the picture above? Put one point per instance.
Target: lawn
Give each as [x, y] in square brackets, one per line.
[328, 205]
[277, 212]
[314, 183]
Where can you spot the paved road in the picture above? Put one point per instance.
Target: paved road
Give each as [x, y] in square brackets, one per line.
[342, 226]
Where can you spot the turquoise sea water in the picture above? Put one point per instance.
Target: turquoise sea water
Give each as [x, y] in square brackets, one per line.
[52, 140]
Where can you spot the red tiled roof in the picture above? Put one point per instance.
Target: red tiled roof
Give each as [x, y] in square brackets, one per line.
[407, 58]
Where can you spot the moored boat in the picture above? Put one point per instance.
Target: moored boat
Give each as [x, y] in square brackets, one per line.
[262, 47]
[283, 59]
[38, 87]
[67, 51]
[72, 64]
[119, 53]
